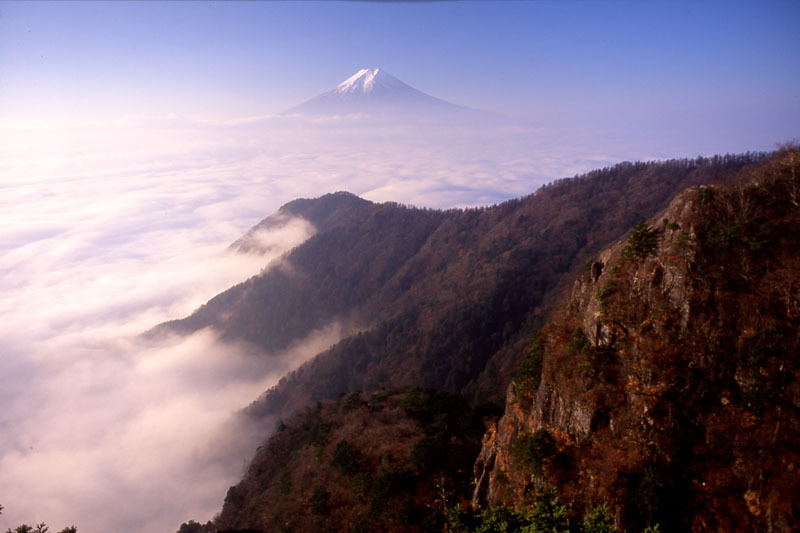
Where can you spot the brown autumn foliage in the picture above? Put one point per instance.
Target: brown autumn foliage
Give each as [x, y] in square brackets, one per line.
[670, 378]
[443, 299]
[388, 461]
[667, 379]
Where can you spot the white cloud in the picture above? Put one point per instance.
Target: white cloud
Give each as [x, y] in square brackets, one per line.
[109, 229]
[126, 437]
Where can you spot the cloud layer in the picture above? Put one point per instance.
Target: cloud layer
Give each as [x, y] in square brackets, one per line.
[109, 229]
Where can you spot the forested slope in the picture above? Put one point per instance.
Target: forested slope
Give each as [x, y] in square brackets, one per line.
[667, 384]
[658, 388]
[442, 299]
[449, 299]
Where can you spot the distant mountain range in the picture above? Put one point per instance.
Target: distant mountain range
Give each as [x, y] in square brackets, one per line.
[376, 93]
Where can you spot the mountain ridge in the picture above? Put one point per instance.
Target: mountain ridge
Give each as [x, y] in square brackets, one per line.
[321, 212]
[442, 299]
[378, 94]
[664, 388]
[667, 380]
[371, 80]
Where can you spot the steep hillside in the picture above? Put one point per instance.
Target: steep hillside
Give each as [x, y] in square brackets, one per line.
[358, 247]
[439, 299]
[388, 461]
[468, 287]
[667, 384]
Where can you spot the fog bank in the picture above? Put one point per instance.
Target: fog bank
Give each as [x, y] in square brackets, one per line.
[108, 229]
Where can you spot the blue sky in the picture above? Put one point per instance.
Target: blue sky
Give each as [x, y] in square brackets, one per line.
[568, 61]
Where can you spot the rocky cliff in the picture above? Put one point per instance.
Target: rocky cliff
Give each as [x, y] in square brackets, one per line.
[666, 383]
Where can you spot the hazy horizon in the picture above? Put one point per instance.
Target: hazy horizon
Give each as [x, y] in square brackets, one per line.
[139, 139]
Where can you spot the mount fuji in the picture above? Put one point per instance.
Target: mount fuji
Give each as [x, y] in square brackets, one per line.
[376, 93]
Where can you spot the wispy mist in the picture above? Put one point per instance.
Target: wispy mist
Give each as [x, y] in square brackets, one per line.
[109, 229]
[110, 226]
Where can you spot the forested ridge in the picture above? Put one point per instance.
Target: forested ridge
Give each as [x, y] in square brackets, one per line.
[449, 301]
[666, 384]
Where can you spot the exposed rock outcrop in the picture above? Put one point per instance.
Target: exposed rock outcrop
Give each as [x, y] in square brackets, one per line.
[442, 299]
[670, 375]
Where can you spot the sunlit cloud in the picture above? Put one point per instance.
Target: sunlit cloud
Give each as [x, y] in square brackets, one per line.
[108, 229]
[152, 426]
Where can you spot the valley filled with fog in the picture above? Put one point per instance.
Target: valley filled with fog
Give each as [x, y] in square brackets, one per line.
[109, 229]
[139, 140]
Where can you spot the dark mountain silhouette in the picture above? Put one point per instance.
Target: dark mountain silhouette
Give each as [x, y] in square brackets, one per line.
[442, 299]
[662, 389]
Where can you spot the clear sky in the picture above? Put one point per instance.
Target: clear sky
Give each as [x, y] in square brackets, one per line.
[568, 60]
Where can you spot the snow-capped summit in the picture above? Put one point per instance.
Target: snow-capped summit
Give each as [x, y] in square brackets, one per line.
[375, 92]
[368, 80]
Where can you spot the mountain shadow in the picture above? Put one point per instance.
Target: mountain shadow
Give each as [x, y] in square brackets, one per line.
[442, 299]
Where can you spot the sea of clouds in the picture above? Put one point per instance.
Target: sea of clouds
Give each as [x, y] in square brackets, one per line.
[107, 229]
